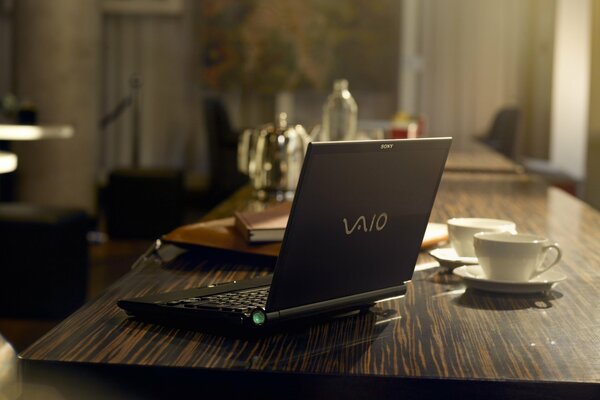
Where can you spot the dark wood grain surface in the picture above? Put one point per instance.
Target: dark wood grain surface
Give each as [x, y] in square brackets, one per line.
[526, 346]
[470, 155]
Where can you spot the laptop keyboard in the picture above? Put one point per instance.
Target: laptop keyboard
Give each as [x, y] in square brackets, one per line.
[240, 301]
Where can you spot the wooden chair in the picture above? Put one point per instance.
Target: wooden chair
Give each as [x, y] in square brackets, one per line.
[504, 132]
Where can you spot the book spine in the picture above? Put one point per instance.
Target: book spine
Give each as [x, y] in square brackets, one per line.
[242, 227]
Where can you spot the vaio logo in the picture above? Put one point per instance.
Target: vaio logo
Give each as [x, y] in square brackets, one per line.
[377, 222]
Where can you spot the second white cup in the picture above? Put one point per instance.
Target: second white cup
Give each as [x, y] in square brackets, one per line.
[461, 231]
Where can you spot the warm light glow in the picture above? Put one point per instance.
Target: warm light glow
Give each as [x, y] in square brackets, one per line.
[571, 86]
[34, 132]
[8, 162]
[390, 298]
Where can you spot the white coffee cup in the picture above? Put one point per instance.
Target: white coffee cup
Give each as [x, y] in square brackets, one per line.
[513, 257]
[461, 231]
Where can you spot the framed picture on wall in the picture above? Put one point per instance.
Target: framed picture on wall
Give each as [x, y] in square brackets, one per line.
[143, 7]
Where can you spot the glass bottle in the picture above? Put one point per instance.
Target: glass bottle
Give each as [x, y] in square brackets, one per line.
[339, 114]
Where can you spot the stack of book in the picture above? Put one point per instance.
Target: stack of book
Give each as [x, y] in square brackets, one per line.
[265, 226]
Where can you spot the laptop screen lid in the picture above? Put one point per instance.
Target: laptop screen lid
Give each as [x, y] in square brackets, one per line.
[358, 219]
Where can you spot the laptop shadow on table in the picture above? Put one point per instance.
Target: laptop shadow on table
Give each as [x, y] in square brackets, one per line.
[482, 300]
[441, 275]
[346, 338]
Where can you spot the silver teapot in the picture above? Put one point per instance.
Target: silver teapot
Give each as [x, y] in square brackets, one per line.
[278, 158]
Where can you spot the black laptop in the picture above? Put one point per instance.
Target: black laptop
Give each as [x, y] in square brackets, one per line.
[353, 237]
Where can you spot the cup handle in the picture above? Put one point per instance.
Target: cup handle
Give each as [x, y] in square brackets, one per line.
[545, 249]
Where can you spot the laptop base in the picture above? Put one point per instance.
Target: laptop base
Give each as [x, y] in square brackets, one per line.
[153, 309]
[223, 328]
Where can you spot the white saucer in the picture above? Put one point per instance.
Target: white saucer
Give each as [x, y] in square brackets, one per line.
[447, 257]
[474, 278]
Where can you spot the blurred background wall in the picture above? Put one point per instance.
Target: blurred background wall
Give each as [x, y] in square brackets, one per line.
[455, 63]
[160, 48]
[592, 192]
[57, 67]
[480, 56]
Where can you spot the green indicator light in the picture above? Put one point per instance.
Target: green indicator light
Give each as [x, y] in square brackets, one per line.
[258, 317]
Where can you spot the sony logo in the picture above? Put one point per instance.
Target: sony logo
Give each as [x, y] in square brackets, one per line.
[377, 221]
[386, 146]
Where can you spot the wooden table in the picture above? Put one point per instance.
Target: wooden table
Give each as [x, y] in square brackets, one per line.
[439, 341]
[469, 155]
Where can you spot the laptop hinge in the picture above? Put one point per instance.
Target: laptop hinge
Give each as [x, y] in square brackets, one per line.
[338, 304]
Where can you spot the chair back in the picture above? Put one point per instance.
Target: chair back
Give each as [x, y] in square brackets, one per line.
[503, 133]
